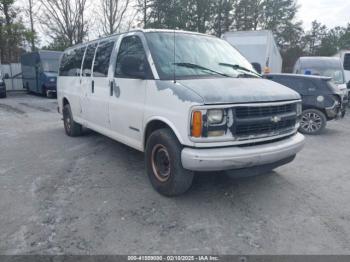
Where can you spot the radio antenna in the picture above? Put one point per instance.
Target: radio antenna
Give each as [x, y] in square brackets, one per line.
[174, 41]
[174, 57]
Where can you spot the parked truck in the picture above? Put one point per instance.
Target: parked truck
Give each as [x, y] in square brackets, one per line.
[39, 72]
[259, 47]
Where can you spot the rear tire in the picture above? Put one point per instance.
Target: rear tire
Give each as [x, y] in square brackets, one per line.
[163, 164]
[313, 122]
[71, 127]
[43, 91]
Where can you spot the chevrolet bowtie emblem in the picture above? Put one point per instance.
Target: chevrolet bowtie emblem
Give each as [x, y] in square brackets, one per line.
[276, 119]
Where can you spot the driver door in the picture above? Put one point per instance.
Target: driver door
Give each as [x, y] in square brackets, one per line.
[126, 106]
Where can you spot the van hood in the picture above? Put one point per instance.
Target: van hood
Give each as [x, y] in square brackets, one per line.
[239, 90]
[50, 74]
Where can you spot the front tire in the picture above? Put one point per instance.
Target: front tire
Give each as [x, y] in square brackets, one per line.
[313, 122]
[163, 164]
[71, 127]
[43, 91]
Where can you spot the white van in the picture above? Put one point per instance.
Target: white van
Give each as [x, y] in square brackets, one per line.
[197, 107]
[345, 58]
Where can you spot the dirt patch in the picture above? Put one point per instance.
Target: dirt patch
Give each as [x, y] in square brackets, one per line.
[11, 109]
[40, 108]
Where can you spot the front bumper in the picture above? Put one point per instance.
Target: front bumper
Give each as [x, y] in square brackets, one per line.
[219, 159]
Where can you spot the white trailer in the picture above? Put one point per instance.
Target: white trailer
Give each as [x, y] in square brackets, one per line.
[258, 47]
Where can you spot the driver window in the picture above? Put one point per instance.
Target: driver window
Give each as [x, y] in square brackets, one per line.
[131, 46]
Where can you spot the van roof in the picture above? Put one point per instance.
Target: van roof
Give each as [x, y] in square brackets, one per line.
[319, 58]
[150, 30]
[320, 61]
[43, 52]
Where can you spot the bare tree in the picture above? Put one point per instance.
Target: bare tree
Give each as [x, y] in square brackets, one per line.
[143, 7]
[29, 11]
[114, 14]
[64, 20]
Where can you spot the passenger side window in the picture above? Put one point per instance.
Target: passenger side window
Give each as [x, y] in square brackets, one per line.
[131, 48]
[347, 62]
[102, 59]
[89, 58]
[71, 62]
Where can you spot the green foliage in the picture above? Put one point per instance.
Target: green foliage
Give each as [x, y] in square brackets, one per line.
[13, 33]
[58, 44]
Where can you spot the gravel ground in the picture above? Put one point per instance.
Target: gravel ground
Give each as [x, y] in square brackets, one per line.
[90, 195]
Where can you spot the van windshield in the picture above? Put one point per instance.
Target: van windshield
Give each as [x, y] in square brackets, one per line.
[336, 74]
[330, 67]
[195, 56]
[50, 65]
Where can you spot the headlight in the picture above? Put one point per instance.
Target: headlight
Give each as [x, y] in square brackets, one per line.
[215, 116]
[52, 79]
[299, 109]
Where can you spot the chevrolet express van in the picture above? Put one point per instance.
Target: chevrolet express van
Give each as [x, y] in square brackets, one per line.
[189, 101]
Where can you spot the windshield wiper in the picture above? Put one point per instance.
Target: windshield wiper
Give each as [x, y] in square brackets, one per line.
[190, 65]
[239, 68]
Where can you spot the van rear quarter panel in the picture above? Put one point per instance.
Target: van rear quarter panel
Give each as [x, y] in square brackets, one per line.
[68, 87]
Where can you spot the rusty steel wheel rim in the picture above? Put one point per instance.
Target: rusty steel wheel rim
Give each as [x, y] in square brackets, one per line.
[67, 121]
[161, 163]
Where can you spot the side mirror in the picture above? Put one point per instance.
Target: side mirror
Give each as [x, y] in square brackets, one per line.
[6, 76]
[134, 67]
[257, 67]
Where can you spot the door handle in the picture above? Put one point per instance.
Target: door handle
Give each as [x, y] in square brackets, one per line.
[93, 86]
[111, 88]
[115, 89]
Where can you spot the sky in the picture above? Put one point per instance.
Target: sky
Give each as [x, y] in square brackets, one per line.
[329, 12]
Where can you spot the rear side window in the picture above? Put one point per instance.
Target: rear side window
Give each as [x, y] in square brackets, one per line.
[103, 55]
[89, 58]
[71, 62]
[65, 63]
[347, 62]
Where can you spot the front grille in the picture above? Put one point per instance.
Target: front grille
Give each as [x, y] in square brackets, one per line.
[264, 121]
[249, 111]
[256, 129]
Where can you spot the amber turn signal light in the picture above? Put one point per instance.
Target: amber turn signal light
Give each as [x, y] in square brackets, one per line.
[197, 124]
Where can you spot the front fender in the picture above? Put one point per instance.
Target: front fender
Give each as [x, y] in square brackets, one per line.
[168, 123]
